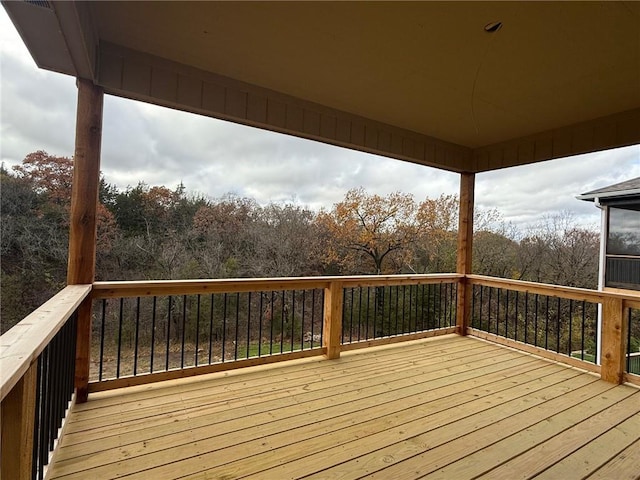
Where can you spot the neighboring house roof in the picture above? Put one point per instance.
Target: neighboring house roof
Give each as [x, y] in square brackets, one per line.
[626, 189]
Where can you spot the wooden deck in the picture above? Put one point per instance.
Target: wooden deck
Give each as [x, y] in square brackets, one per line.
[448, 407]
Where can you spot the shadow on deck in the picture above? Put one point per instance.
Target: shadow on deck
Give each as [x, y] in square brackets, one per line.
[448, 407]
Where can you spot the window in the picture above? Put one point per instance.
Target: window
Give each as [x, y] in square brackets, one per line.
[624, 232]
[622, 268]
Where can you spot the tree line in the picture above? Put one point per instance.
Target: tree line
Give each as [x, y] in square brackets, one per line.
[157, 232]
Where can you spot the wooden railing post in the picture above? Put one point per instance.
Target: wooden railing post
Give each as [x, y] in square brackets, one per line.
[18, 416]
[614, 326]
[465, 249]
[82, 229]
[332, 329]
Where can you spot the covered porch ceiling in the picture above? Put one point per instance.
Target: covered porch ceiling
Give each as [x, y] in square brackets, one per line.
[417, 81]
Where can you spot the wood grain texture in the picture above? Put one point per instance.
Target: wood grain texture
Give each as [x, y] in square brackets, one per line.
[22, 344]
[464, 251]
[332, 325]
[18, 409]
[446, 407]
[86, 178]
[614, 327]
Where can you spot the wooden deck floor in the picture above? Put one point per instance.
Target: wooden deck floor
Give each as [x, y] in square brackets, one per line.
[449, 407]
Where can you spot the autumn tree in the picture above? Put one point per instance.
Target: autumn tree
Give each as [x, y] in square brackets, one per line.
[283, 242]
[435, 247]
[557, 251]
[371, 233]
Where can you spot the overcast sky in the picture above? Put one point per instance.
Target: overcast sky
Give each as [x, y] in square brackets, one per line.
[164, 147]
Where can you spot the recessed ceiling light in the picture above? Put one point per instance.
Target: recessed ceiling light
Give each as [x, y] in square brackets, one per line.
[492, 27]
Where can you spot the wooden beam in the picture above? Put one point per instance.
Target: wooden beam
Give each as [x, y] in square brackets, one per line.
[614, 326]
[332, 333]
[465, 248]
[18, 416]
[192, 287]
[82, 229]
[86, 179]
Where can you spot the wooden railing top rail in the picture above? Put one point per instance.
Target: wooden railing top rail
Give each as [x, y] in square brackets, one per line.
[192, 287]
[573, 293]
[22, 344]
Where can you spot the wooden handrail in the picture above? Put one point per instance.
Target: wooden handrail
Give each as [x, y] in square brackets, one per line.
[22, 344]
[573, 293]
[190, 287]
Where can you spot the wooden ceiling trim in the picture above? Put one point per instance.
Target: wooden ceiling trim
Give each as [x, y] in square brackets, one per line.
[618, 130]
[156, 80]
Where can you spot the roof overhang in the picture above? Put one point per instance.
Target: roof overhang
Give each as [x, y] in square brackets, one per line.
[610, 195]
[418, 81]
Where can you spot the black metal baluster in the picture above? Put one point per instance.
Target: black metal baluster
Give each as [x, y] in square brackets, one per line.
[224, 327]
[526, 317]
[410, 306]
[37, 424]
[535, 319]
[422, 328]
[569, 348]
[351, 319]
[102, 322]
[367, 317]
[584, 308]
[595, 338]
[359, 313]
[235, 343]
[489, 311]
[628, 369]
[304, 299]
[506, 314]
[120, 318]
[558, 327]
[260, 325]
[293, 315]
[481, 305]
[395, 332]
[170, 304]
[516, 313]
[135, 348]
[546, 324]
[313, 313]
[153, 334]
[498, 310]
[322, 316]
[271, 323]
[248, 322]
[282, 315]
[184, 328]
[198, 301]
[211, 328]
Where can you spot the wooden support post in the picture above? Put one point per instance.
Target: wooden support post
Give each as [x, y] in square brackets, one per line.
[465, 249]
[18, 416]
[82, 229]
[332, 334]
[613, 355]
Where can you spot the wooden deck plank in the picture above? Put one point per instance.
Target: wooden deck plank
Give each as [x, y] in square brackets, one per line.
[335, 416]
[277, 385]
[624, 466]
[264, 374]
[555, 449]
[360, 398]
[421, 391]
[597, 452]
[484, 458]
[450, 407]
[430, 450]
[381, 382]
[409, 432]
